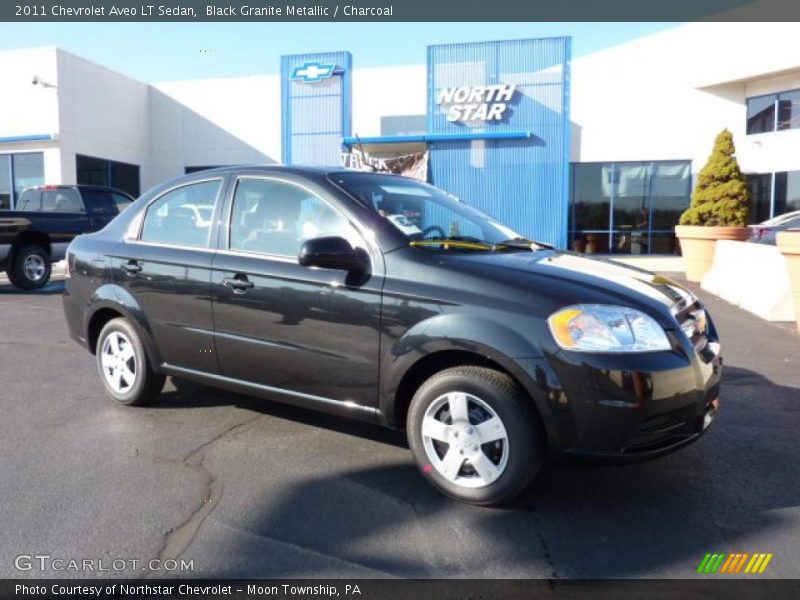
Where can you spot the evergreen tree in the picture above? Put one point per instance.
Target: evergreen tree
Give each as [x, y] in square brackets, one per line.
[720, 196]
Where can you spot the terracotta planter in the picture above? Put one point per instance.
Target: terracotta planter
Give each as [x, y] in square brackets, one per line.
[698, 243]
[789, 245]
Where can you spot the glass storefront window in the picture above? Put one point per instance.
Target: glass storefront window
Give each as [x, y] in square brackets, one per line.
[761, 114]
[99, 171]
[789, 110]
[28, 171]
[773, 194]
[670, 192]
[773, 112]
[787, 192]
[17, 172]
[628, 208]
[761, 195]
[5, 181]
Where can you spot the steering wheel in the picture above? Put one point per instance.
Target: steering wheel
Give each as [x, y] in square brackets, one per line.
[431, 229]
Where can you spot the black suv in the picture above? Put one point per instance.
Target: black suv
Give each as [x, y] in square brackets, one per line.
[385, 299]
[45, 221]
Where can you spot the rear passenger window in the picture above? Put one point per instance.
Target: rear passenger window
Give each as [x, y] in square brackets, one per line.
[99, 202]
[179, 217]
[30, 200]
[62, 200]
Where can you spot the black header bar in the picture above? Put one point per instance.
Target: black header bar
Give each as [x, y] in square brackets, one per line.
[399, 10]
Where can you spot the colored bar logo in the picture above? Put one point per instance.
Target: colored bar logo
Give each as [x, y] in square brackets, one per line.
[738, 562]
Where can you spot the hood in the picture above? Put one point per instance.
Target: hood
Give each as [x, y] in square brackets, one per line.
[581, 272]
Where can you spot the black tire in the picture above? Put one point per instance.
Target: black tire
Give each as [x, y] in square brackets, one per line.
[37, 261]
[146, 384]
[523, 443]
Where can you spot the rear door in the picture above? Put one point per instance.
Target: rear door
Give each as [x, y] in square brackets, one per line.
[166, 267]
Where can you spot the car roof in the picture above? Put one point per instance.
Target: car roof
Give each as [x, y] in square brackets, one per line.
[78, 186]
[779, 219]
[294, 169]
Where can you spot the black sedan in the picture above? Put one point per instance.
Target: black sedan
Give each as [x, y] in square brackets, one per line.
[385, 299]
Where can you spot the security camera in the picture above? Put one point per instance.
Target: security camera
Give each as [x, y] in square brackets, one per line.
[39, 81]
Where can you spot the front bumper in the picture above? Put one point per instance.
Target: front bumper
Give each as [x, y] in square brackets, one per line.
[625, 407]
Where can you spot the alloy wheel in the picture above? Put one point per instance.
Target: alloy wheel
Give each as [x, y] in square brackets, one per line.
[34, 267]
[465, 440]
[118, 362]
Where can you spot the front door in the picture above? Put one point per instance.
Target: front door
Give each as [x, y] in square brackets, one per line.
[308, 331]
[167, 269]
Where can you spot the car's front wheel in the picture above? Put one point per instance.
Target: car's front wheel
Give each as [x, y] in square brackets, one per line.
[123, 365]
[474, 435]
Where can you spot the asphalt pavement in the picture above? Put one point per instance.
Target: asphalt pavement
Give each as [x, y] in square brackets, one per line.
[242, 487]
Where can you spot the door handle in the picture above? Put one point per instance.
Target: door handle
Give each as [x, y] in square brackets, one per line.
[131, 267]
[239, 285]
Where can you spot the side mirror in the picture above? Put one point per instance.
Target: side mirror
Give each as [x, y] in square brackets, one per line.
[330, 253]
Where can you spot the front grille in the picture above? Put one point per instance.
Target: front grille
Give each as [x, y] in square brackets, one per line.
[660, 430]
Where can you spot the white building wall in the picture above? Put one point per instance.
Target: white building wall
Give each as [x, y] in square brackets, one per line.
[27, 109]
[234, 120]
[668, 95]
[387, 91]
[102, 114]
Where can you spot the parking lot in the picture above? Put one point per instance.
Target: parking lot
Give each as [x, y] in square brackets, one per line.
[248, 488]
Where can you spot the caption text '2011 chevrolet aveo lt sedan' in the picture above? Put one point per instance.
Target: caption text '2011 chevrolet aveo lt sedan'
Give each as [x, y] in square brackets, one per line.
[381, 298]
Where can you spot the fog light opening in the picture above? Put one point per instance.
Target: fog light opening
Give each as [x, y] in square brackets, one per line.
[711, 413]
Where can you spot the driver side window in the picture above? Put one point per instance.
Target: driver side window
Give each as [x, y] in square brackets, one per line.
[276, 217]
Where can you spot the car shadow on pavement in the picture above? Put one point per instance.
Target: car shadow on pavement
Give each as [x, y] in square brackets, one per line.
[188, 394]
[654, 519]
[53, 287]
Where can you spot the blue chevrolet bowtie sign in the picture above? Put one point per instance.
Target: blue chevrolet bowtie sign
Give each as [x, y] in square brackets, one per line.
[311, 72]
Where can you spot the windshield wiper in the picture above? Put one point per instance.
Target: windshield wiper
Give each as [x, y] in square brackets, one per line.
[459, 241]
[474, 243]
[525, 243]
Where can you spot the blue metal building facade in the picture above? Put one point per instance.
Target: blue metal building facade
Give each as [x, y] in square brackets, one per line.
[515, 168]
[523, 182]
[316, 107]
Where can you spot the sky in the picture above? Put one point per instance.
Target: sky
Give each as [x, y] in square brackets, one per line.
[155, 52]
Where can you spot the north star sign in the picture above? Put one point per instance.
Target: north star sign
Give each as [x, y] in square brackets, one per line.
[476, 103]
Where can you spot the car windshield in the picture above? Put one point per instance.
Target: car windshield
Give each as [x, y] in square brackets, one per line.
[428, 216]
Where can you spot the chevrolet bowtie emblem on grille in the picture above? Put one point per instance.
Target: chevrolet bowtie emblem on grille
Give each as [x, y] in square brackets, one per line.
[311, 72]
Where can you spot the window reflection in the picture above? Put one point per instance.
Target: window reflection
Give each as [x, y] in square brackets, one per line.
[628, 208]
[761, 114]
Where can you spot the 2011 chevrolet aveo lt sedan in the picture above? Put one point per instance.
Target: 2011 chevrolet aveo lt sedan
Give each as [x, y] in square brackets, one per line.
[381, 298]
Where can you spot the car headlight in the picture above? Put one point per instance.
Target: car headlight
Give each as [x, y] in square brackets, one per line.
[605, 328]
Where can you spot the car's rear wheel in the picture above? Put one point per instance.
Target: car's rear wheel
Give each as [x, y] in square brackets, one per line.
[124, 369]
[474, 435]
[30, 268]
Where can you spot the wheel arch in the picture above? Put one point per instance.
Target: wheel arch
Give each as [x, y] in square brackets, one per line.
[450, 340]
[424, 368]
[31, 237]
[111, 301]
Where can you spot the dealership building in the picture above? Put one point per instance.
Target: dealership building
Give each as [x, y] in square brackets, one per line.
[596, 153]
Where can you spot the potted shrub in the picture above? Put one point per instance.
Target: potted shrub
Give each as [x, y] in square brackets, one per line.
[789, 244]
[719, 209]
